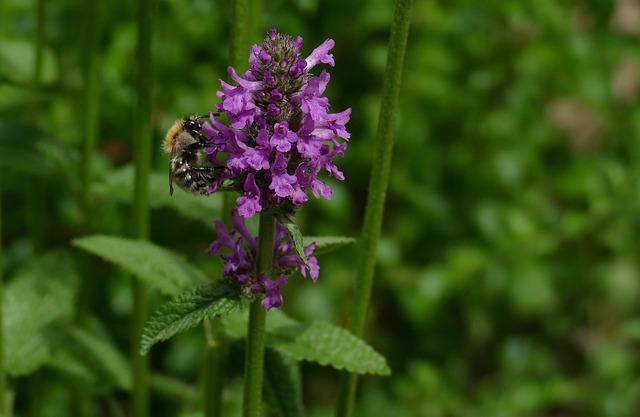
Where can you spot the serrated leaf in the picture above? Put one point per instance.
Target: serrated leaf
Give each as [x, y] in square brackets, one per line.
[188, 310]
[319, 342]
[118, 186]
[327, 344]
[281, 391]
[165, 270]
[327, 243]
[91, 359]
[294, 233]
[40, 295]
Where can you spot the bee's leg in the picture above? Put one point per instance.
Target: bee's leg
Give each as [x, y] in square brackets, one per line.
[206, 169]
[210, 173]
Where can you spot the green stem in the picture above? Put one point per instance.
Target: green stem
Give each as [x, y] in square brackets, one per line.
[239, 42]
[3, 377]
[142, 146]
[254, 358]
[215, 360]
[89, 133]
[35, 213]
[255, 25]
[377, 190]
[89, 109]
[39, 47]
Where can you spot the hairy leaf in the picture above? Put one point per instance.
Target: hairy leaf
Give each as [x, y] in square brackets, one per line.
[327, 243]
[294, 233]
[167, 271]
[118, 186]
[318, 341]
[188, 310]
[39, 296]
[327, 344]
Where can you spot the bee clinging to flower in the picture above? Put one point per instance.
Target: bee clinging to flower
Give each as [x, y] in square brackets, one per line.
[184, 142]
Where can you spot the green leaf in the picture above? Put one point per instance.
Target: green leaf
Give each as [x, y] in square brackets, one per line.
[327, 243]
[188, 310]
[319, 342]
[118, 186]
[39, 296]
[90, 359]
[16, 96]
[165, 270]
[17, 62]
[294, 233]
[281, 390]
[327, 344]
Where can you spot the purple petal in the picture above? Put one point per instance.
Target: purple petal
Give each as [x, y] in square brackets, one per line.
[320, 54]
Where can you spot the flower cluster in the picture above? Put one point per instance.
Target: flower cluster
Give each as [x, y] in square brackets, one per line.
[280, 134]
[239, 266]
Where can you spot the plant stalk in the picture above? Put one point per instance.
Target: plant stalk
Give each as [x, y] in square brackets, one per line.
[254, 355]
[3, 377]
[34, 211]
[89, 108]
[239, 42]
[374, 210]
[215, 360]
[140, 227]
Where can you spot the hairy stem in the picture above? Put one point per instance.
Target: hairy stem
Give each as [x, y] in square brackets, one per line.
[215, 360]
[3, 377]
[254, 357]
[377, 190]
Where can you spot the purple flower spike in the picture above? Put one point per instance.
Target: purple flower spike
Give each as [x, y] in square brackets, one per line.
[281, 133]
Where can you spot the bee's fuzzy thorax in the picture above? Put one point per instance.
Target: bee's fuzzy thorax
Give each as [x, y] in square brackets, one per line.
[172, 134]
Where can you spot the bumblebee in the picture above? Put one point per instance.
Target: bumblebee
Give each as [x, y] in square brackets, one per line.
[183, 142]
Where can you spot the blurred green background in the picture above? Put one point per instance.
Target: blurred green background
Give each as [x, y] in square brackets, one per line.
[508, 279]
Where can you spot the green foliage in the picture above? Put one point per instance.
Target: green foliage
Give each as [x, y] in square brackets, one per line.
[327, 344]
[318, 342]
[41, 295]
[17, 60]
[281, 387]
[189, 310]
[27, 149]
[507, 278]
[294, 233]
[167, 271]
[118, 186]
[89, 360]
